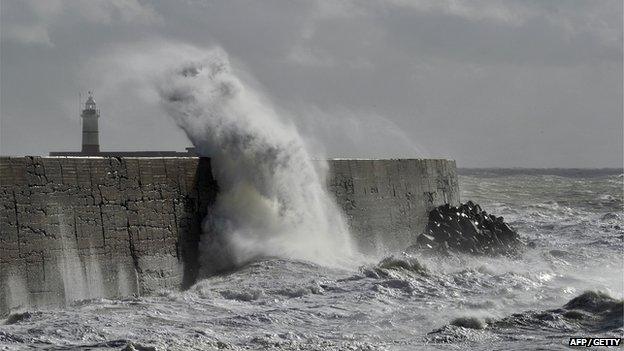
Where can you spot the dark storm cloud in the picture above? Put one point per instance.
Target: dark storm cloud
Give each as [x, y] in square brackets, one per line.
[489, 83]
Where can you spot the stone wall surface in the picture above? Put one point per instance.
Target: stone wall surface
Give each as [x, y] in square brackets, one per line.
[387, 202]
[75, 228]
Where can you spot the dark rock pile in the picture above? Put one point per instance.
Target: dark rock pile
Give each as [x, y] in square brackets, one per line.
[469, 229]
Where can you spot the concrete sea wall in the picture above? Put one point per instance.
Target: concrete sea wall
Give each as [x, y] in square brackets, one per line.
[76, 228]
[387, 202]
[87, 227]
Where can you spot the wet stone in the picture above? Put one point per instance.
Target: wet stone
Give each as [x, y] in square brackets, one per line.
[469, 229]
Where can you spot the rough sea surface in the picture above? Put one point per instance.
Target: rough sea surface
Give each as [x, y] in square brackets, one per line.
[573, 221]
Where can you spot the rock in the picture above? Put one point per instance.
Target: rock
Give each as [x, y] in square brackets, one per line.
[609, 216]
[469, 322]
[18, 317]
[468, 228]
[138, 347]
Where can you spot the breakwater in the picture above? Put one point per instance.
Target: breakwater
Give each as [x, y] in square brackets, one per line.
[75, 228]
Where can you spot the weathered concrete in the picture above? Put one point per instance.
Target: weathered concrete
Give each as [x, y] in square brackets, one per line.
[86, 227]
[387, 201]
[75, 228]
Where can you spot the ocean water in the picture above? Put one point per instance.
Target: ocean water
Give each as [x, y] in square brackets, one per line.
[572, 219]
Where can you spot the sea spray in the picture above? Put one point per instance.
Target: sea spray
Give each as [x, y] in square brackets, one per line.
[272, 199]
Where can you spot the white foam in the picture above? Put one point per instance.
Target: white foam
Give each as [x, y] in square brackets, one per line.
[272, 200]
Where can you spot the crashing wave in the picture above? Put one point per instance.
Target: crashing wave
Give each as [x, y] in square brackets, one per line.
[590, 312]
[272, 199]
[390, 266]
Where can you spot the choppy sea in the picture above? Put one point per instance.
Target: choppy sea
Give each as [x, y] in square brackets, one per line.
[573, 220]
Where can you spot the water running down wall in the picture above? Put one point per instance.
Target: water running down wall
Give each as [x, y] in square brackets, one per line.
[89, 227]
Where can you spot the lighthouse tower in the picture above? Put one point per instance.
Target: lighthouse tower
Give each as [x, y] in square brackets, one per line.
[90, 133]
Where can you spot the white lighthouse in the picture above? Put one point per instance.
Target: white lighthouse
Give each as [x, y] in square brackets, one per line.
[91, 139]
[90, 133]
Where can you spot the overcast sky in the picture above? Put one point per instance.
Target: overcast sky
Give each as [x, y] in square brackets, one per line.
[488, 83]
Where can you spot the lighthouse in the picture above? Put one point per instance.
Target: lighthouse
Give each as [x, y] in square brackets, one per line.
[90, 133]
[91, 139]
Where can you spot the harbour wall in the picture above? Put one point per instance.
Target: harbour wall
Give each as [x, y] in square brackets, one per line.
[74, 228]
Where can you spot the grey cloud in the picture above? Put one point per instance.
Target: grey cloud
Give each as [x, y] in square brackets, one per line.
[29, 21]
[490, 83]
